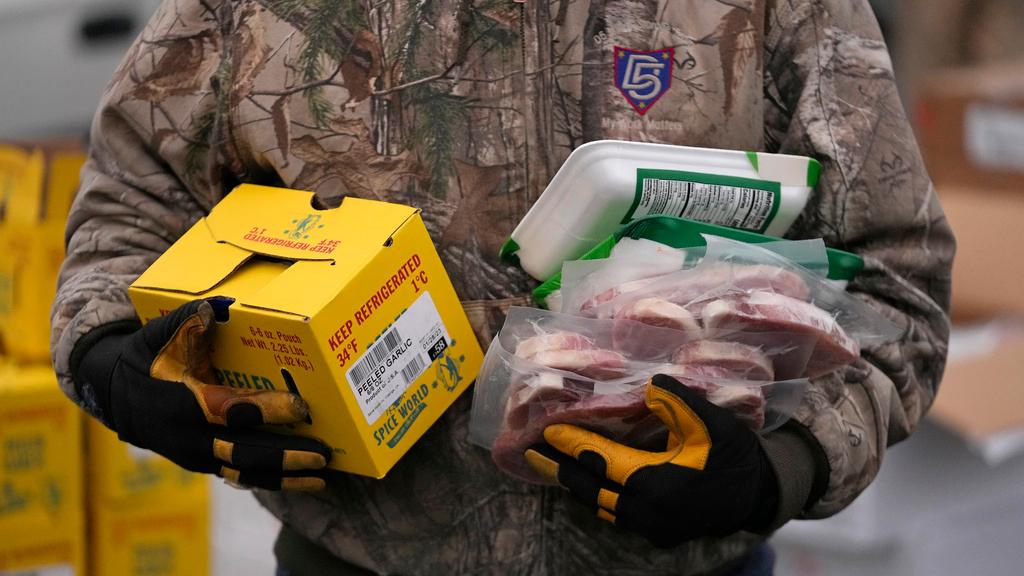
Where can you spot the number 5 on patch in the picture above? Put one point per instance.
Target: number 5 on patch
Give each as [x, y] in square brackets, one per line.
[643, 76]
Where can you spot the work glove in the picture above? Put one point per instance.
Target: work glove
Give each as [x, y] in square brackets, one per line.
[712, 480]
[154, 388]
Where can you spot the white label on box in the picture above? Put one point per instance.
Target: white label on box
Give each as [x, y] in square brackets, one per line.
[398, 357]
[994, 136]
[53, 570]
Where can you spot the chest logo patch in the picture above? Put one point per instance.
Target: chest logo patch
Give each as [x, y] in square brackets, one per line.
[643, 76]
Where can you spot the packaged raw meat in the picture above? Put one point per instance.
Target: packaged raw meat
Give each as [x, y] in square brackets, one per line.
[838, 266]
[561, 340]
[743, 360]
[769, 312]
[628, 266]
[546, 368]
[741, 324]
[656, 311]
[731, 269]
[586, 284]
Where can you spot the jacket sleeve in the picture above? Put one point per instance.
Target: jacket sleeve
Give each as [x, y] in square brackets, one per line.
[831, 95]
[148, 178]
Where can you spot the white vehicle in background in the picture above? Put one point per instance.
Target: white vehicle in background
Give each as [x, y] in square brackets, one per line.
[56, 57]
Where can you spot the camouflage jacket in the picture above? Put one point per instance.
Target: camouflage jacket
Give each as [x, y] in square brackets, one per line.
[466, 108]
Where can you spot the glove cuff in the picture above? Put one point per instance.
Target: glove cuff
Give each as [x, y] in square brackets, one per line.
[801, 471]
[93, 361]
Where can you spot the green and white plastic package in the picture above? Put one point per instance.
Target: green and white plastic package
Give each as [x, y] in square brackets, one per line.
[608, 183]
[688, 235]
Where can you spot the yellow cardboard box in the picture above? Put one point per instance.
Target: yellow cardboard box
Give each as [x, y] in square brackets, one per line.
[30, 259]
[146, 514]
[119, 472]
[151, 536]
[349, 307]
[42, 554]
[37, 185]
[41, 480]
[13, 163]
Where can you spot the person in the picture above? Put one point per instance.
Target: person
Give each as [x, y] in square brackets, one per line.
[465, 109]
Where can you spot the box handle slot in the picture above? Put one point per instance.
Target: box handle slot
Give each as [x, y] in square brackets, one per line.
[221, 307]
[318, 203]
[293, 388]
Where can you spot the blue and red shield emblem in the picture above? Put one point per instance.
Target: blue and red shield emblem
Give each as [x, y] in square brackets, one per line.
[643, 76]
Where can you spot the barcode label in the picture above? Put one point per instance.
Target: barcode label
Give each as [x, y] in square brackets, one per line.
[398, 358]
[413, 369]
[378, 352]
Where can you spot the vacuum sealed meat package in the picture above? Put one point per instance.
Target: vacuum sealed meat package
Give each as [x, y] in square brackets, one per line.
[635, 264]
[548, 368]
[743, 325]
[751, 288]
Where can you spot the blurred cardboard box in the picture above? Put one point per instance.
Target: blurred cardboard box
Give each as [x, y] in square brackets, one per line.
[988, 271]
[982, 392]
[41, 485]
[37, 184]
[42, 555]
[119, 472]
[970, 124]
[930, 35]
[981, 397]
[165, 536]
[147, 515]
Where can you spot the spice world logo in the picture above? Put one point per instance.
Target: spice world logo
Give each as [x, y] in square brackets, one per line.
[643, 76]
[302, 228]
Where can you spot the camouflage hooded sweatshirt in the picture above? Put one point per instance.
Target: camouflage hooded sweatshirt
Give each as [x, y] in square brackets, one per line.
[466, 108]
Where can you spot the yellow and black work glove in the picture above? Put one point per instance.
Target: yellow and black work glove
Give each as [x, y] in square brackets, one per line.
[714, 478]
[154, 388]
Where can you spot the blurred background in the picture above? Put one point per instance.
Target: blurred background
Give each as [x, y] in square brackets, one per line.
[950, 500]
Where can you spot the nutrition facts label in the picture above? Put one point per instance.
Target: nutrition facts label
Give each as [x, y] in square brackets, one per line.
[742, 203]
[398, 357]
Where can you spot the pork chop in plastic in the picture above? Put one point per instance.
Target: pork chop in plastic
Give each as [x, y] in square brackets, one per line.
[768, 312]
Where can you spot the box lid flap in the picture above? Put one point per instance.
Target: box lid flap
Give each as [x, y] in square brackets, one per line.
[324, 248]
[196, 263]
[303, 289]
[283, 223]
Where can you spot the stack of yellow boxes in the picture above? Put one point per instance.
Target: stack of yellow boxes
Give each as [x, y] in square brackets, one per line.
[42, 506]
[146, 515]
[37, 185]
[74, 500]
[42, 520]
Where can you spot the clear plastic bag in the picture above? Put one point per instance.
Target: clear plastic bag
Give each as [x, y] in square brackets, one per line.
[546, 368]
[744, 324]
[747, 288]
[587, 284]
[730, 268]
[630, 263]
